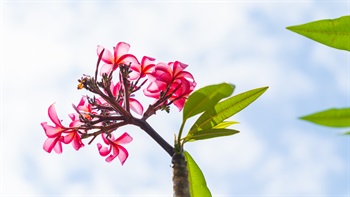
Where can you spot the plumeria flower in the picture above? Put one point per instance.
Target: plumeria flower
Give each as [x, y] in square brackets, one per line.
[54, 133]
[115, 148]
[73, 136]
[171, 77]
[141, 70]
[84, 107]
[181, 88]
[120, 56]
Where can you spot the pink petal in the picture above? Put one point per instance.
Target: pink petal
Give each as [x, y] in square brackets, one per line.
[53, 116]
[165, 77]
[68, 138]
[51, 143]
[104, 137]
[110, 158]
[136, 106]
[51, 131]
[136, 68]
[123, 154]
[123, 139]
[115, 89]
[76, 123]
[115, 150]
[151, 77]
[163, 68]
[148, 69]
[147, 60]
[153, 87]
[177, 66]
[185, 74]
[81, 102]
[73, 116]
[77, 143]
[180, 103]
[120, 49]
[156, 86]
[133, 75]
[75, 120]
[106, 68]
[107, 56]
[58, 147]
[104, 151]
[151, 94]
[128, 59]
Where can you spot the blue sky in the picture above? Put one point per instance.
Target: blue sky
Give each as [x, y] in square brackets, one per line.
[47, 46]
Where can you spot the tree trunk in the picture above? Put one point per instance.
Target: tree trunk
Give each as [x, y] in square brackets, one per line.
[180, 175]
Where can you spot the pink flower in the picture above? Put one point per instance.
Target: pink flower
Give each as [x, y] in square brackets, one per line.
[115, 148]
[171, 78]
[56, 133]
[120, 56]
[53, 132]
[84, 107]
[73, 137]
[146, 67]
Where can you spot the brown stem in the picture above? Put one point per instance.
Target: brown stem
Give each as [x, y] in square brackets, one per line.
[114, 104]
[102, 129]
[98, 63]
[124, 69]
[180, 175]
[150, 131]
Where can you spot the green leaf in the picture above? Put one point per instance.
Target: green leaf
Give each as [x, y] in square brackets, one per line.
[347, 133]
[198, 185]
[225, 109]
[333, 33]
[223, 125]
[331, 117]
[209, 133]
[205, 98]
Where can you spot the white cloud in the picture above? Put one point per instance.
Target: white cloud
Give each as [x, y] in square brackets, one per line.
[302, 169]
[336, 63]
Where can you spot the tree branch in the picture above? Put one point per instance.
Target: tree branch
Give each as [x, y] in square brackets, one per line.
[150, 131]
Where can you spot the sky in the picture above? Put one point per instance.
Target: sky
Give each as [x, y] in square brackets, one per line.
[47, 45]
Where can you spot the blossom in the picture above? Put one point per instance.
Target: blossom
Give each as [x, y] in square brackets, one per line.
[73, 137]
[115, 148]
[84, 108]
[120, 56]
[54, 133]
[58, 133]
[140, 70]
[173, 80]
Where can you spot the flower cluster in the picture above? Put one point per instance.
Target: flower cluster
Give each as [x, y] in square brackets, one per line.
[167, 83]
